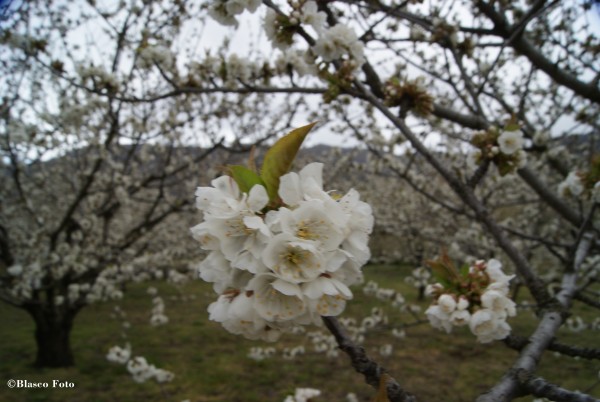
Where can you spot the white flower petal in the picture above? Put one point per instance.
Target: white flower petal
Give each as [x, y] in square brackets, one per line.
[258, 198]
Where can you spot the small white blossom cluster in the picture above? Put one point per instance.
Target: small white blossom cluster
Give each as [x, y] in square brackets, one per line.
[504, 149]
[386, 350]
[419, 277]
[572, 186]
[324, 343]
[230, 69]
[225, 11]
[309, 14]
[590, 269]
[281, 28]
[376, 318]
[511, 142]
[351, 397]
[138, 367]
[301, 62]
[303, 395]
[372, 289]
[483, 304]
[334, 43]
[177, 278]
[576, 324]
[291, 353]
[158, 312]
[257, 353]
[26, 279]
[98, 75]
[106, 286]
[141, 371]
[119, 355]
[338, 41]
[155, 55]
[286, 266]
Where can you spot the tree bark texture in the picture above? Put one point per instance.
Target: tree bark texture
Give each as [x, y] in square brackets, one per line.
[52, 336]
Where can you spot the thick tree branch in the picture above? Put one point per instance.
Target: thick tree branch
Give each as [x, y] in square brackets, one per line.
[539, 387]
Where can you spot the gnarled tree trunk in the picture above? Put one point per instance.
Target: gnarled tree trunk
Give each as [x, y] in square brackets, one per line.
[52, 335]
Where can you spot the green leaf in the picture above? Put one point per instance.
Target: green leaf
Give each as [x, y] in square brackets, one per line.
[512, 124]
[464, 270]
[244, 177]
[444, 271]
[278, 160]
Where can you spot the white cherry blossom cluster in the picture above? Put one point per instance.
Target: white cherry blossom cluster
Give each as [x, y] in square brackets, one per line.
[141, 371]
[303, 395]
[225, 11]
[386, 350]
[333, 43]
[138, 367]
[325, 343]
[571, 186]
[291, 353]
[155, 55]
[504, 147]
[419, 277]
[280, 28]
[338, 41]
[278, 267]
[576, 324]
[480, 301]
[373, 289]
[258, 353]
[158, 316]
[511, 142]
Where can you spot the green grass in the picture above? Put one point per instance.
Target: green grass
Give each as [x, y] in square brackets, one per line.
[211, 364]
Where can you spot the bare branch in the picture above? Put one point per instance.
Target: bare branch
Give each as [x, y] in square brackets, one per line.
[549, 197]
[509, 387]
[539, 387]
[365, 365]
[520, 43]
[519, 342]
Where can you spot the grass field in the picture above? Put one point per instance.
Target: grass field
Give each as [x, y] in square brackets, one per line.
[212, 365]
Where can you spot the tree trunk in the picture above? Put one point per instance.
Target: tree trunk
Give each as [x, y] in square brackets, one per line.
[52, 336]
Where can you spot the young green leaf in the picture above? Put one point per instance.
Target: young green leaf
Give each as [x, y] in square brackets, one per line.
[244, 177]
[512, 124]
[278, 160]
[444, 270]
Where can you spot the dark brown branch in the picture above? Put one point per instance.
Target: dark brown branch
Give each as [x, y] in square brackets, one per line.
[467, 195]
[521, 44]
[549, 197]
[539, 387]
[199, 90]
[470, 121]
[365, 365]
[519, 342]
[587, 300]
